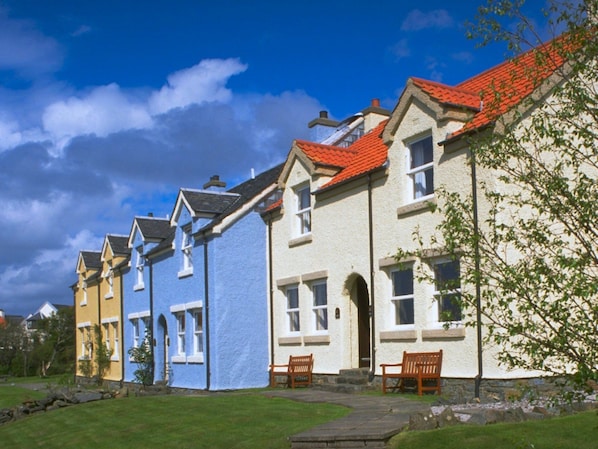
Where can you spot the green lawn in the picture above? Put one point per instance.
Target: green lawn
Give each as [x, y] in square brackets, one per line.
[248, 420]
[12, 395]
[578, 431]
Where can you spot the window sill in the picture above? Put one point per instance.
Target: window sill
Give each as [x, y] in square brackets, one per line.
[421, 205]
[185, 273]
[83, 303]
[307, 238]
[114, 359]
[178, 359]
[316, 339]
[138, 287]
[109, 296]
[398, 335]
[443, 334]
[195, 358]
[289, 341]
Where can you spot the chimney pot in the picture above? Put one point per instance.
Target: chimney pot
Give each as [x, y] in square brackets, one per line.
[375, 102]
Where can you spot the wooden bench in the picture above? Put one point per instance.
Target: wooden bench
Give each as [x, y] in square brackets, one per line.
[297, 371]
[420, 366]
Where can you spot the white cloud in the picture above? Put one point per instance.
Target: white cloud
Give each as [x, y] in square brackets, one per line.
[463, 56]
[26, 50]
[204, 82]
[103, 111]
[400, 50]
[417, 20]
[9, 135]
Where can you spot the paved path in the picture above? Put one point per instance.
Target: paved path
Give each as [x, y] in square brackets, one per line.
[373, 421]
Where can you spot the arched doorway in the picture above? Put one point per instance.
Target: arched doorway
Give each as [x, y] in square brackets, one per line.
[162, 344]
[361, 298]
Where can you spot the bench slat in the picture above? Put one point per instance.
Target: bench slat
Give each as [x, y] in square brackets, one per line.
[421, 366]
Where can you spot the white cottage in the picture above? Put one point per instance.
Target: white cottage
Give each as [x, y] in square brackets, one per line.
[337, 290]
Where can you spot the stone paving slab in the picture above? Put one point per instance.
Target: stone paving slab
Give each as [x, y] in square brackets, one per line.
[373, 421]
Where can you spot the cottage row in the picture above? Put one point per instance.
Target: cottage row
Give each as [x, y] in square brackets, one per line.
[300, 259]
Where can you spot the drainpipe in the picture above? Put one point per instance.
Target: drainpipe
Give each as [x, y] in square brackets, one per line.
[478, 295]
[75, 288]
[372, 296]
[122, 331]
[271, 290]
[206, 310]
[151, 320]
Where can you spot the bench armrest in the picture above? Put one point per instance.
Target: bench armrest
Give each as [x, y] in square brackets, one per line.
[279, 366]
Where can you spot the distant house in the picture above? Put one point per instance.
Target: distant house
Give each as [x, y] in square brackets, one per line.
[200, 287]
[46, 310]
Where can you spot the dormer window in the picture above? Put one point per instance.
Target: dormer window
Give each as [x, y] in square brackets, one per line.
[139, 264]
[187, 251]
[421, 168]
[303, 213]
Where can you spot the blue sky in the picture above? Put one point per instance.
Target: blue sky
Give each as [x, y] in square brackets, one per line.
[107, 108]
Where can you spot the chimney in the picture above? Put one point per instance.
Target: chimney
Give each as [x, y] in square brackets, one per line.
[375, 102]
[215, 183]
[323, 114]
[150, 214]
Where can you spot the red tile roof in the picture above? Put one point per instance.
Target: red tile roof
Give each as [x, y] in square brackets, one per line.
[327, 155]
[370, 153]
[449, 95]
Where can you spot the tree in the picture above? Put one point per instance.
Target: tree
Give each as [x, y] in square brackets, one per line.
[527, 242]
[12, 339]
[56, 347]
[143, 356]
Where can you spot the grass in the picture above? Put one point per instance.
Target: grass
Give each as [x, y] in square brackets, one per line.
[248, 420]
[12, 395]
[579, 431]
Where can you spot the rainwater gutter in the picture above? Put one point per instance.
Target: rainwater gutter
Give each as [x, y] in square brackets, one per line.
[207, 310]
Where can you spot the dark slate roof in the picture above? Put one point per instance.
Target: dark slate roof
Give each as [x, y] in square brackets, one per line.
[119, 244]
[165, 244]
[153, 228]
[91, 259]
[249, 189]
[209, 202]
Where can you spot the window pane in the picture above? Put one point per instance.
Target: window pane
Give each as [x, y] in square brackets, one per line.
[294, 321]
[292, 298]
[402, 282]
[447, 275]
[404, 311]
[449, 308]
[322, 319]
[320, 297]
[422, 152]
[304, 198]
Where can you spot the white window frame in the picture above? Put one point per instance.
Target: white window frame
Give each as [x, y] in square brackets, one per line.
[139, 266]
[180, 331]
[116, 340]
[397, 299]
[438, 295]
[110, 280]
[320, 311]
[416, 171]
[106, 329]
[197, 320]
[136, 332]
[186, 251]
[303, 214]
[84, 288]
[293, 315]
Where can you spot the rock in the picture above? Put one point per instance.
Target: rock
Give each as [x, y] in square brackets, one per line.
[447, 418]
[423, 421]
[83, 397]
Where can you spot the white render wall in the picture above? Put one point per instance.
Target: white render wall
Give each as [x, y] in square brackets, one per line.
[337, 252]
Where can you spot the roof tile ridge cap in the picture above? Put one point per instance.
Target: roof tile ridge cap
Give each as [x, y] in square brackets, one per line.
[447, 86]
[323, 145]
[210, 192]
[550, 45]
